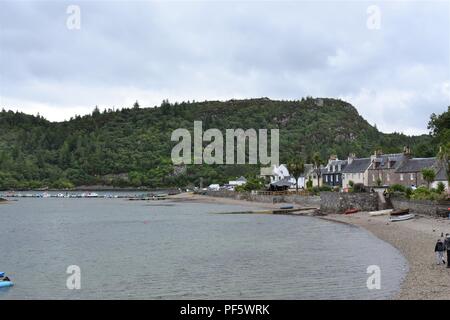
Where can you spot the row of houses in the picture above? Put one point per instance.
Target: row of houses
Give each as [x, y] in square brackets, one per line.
[377, 170]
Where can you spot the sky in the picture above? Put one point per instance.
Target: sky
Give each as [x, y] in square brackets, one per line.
[390, 59]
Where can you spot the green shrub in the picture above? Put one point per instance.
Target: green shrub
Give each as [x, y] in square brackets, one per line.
[440, 187]
[423, 193]
[325, 187]
[351, 183]
[397, 188]
[408, 192]
[252, 184]
[309, 184]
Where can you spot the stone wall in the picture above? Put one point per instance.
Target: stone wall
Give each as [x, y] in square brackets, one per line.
[338, 202]
[424, 207]
[306, 201]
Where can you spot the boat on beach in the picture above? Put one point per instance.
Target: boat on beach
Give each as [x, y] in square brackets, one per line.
[380, 212]
[350, 211]
[401, 217]
[399, 212]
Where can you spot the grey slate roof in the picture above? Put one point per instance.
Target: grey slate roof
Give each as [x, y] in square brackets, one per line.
[357, 165]
[335, 163]
[385, 158]
[242, 179]
[416, 165]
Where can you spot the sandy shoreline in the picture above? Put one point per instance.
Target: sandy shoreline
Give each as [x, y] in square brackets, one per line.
[415, 239]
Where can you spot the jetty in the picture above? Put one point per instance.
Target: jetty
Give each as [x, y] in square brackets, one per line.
[293, 211]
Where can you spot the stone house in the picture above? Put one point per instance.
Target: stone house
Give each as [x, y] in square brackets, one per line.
[356, 170]
[383, 167]
[410, 172]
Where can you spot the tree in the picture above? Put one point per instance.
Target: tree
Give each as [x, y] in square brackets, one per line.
[439, 126]
[317, 161]
[136, 105]
[296, 168]
[428, 175]
[444, 158]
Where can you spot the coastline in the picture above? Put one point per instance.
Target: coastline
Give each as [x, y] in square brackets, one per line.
[415, 239]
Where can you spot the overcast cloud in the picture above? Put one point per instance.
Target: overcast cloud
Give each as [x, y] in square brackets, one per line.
[152, 50]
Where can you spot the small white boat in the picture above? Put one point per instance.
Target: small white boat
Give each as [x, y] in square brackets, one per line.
[401, 218]
[92, 195]
[380, 212]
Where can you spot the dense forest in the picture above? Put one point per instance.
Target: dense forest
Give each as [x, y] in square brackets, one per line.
[132, 146]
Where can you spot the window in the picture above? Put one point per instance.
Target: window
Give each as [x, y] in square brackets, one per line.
[337, 178]
[373, 177]
[387, 177]
[326, 178]
[331, 177]
[412, 176]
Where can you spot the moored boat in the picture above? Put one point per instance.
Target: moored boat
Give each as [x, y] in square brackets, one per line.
[4, 284]
[4, 281]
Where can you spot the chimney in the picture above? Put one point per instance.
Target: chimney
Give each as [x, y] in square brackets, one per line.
[351, 156]
[332, 158]
[406, 151]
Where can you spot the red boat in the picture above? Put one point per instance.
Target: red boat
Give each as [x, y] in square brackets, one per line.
[350, 211]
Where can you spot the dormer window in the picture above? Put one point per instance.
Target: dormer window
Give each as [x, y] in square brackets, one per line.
[391, 164]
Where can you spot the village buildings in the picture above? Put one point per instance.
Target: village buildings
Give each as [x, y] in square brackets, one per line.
[378, 170]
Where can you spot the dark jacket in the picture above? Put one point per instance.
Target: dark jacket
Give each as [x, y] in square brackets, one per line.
[439, 246]
[447, 243]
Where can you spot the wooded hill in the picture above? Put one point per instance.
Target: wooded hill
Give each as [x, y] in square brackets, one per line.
[132, 146]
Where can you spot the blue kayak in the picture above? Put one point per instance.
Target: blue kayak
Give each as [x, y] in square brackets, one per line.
[4, 284]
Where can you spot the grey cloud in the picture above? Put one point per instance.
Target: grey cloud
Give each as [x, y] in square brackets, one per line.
[223, 50]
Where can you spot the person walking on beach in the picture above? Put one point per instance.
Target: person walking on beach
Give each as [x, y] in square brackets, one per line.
[447, 247]
[439, 250]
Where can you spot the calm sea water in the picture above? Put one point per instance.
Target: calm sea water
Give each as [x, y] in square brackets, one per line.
[155, 250]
